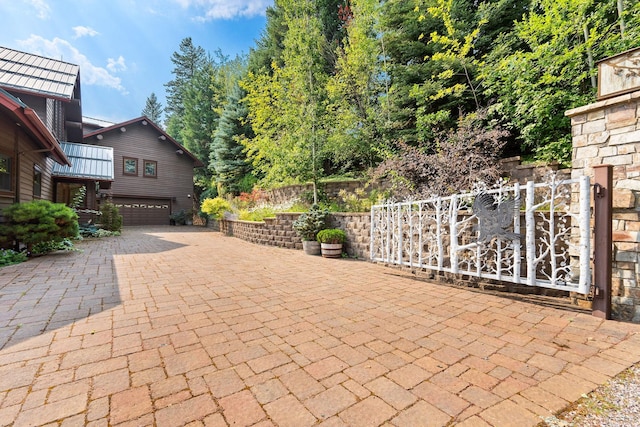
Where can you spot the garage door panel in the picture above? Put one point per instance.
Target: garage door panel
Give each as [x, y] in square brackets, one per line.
[143, 211]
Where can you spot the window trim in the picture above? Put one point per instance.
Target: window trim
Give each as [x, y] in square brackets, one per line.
[155, 168]
[11, 173]
[124, 166]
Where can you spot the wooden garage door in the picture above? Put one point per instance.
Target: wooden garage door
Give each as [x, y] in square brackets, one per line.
[143, 211]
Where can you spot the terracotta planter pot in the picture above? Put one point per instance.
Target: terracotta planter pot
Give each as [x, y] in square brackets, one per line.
[311, 247]
[331, 250]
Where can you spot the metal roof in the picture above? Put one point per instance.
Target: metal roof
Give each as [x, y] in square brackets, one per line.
[88, 162]
[34, 73]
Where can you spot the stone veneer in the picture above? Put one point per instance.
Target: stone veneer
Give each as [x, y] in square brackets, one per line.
[608, 132]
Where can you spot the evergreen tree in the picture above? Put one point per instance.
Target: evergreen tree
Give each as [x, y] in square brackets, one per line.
[227, 159]
[269, 46]
[153, 109]
[187, 62]
[199, 118]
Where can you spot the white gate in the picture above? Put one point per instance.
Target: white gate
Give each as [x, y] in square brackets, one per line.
[443, 234]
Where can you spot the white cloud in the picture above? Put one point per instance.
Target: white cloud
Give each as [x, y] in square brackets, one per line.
[226, 9]
[115, 65]
[63, 50]
[42, 7]
[84, 31]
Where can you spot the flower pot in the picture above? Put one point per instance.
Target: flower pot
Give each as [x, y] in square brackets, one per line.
[311, 247]
[331, 250]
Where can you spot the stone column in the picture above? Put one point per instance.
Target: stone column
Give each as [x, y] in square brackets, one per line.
[608, 132]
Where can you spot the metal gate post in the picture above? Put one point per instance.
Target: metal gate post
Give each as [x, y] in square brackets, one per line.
[603, 242]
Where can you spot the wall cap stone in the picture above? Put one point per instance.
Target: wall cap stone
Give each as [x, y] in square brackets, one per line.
[602, 104]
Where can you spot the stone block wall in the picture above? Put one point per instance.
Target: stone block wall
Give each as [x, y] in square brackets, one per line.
[513, 168]
[276, 231]
[279, 231]
[358, 228]
[608, 132]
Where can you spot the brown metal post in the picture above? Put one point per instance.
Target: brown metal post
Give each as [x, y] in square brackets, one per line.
[603, 242]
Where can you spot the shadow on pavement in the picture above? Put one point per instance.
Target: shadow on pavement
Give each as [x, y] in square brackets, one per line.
[52, 291]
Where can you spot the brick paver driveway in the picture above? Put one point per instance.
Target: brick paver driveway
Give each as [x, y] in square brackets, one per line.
[182, 326]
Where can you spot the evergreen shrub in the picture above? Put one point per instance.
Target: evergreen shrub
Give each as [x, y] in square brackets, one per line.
[110, 217]
[38, 221]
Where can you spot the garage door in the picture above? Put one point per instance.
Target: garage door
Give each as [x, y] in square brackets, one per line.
[143, 211]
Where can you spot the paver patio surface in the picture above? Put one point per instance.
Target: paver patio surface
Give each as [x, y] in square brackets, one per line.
[174, 326]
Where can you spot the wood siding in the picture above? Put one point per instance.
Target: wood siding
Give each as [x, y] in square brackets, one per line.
[24, 158]
[174, 171]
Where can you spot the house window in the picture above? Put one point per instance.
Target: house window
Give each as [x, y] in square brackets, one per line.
[151, 168]
[130, 166]
[5, 173]
[37, 181]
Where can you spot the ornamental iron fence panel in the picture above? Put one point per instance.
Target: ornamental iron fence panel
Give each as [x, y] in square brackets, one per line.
[518, 234]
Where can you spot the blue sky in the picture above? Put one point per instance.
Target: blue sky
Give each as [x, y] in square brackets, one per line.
[124, 47]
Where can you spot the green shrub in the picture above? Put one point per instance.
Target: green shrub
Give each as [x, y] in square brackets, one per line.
[258, 214]
[216, 207]
[110, 217]
[310, 223]
[332, 235]
[90, 230]
[38, 221]
[9, 256]
[179, 218]
[52, 246]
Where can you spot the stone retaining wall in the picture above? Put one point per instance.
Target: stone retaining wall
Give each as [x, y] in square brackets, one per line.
[608, 132]
[279, 231]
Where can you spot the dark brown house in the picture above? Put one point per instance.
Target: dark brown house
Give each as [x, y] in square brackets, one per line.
[153, 173]
[28, 152]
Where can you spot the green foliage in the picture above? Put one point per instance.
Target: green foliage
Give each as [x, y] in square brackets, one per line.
[360, 201]
[310, 223]
[9, 256]
[78, 197]
[287, 104]
[90, 230]
[332, 235]
[38, 221]
[543, 68]
[110, 218]
[354, 109]
[257, 214]
[179, 218]
[228, 159]
[216, 207]
[153, 109]
[42, 248]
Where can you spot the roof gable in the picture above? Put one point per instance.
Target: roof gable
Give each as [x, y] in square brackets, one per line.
[147, 122]
[37, 74]
[31, 123]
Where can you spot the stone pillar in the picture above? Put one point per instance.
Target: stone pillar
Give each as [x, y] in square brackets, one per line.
[608, 132]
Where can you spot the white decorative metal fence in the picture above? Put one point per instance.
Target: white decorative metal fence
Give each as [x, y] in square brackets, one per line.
[444, 234]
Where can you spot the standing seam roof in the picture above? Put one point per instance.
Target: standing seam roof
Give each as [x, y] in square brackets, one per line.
[35, 73]
[88, 162]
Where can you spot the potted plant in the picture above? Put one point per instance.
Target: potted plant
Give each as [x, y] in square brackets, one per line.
[331, 241]
[308, 225]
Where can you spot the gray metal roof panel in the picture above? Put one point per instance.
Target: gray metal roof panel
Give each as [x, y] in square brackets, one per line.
[37, 73]
[88, 161]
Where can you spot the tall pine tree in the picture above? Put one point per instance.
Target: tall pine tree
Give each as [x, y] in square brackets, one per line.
[153, 109]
